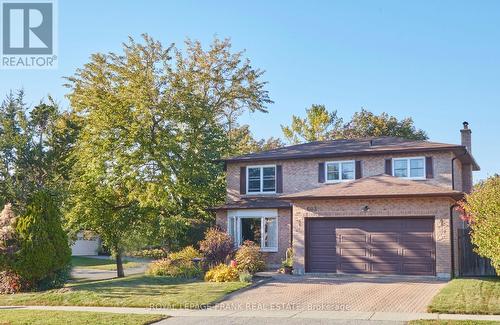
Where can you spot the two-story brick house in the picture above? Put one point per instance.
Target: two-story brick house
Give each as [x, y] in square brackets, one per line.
[377, 205]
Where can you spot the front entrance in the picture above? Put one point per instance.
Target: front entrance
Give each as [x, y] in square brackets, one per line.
[371, 245]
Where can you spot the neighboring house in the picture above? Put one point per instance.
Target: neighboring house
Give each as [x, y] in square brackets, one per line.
[377, 205]
[86, 244]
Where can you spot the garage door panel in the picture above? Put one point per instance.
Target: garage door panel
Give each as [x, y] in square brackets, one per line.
[385, 253]
[353, 267]
[378, 245]
[391, 268]
[353, 252]
[384, 238]
[414, 253]
[418, 268]
[352, 238]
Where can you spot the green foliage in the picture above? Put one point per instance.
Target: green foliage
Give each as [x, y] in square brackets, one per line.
[249, 258]
[366, 124]
[482, 210]
[155, 122]
[243, 142]
[288, 261]
[179, 264]
[33, 147]
[44, 252]
[246, 276]
[154, 253]
[216, 247]
[222, 273]
[320, 124]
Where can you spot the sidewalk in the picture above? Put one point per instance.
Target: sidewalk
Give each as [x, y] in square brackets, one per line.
[276, 314]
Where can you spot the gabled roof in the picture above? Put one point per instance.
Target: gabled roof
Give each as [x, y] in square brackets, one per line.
[344, 147]
[378, 186]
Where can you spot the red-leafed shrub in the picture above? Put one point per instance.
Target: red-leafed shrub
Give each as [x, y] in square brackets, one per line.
[216, 247]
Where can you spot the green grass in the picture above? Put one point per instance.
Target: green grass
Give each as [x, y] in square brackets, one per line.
[43, 317]
[100, 264]
[133, 291]
[452, 322]
[468, 296]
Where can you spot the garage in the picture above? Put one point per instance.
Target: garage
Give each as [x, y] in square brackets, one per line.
[377, 245]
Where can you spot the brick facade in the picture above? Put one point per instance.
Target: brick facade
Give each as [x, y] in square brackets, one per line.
[439, 208]
[302, 174]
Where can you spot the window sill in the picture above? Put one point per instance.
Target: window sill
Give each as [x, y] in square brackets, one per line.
[259, 193]
[269, 250]
[413, 178]
[341, 181]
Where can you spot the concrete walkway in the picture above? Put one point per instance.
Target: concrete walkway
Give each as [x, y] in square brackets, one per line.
[219, 317]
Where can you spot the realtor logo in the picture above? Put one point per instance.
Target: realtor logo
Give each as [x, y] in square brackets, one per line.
[28, 32]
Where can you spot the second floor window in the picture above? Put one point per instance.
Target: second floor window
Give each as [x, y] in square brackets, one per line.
[261, 179]
[409, 167]
[337, 171]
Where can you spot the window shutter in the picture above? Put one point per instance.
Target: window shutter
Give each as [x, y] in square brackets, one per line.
[429, 171]
[357, 170]
[243, 180]
[279, 179]
[388, 166]
[321, 172]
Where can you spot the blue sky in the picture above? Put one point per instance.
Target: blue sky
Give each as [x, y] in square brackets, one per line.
[436, 61]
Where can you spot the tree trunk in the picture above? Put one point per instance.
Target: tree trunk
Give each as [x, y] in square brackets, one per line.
[119, 266]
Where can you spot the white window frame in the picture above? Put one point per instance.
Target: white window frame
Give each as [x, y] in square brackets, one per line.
[340, 162]
[261, 180]
[261, 214]
[408, 168]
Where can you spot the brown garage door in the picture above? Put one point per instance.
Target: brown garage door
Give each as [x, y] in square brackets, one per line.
[382, 245]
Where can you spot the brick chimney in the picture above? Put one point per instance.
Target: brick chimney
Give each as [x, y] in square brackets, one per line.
[466, 137]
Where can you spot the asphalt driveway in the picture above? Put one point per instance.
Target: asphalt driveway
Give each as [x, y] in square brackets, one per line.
[310, 293]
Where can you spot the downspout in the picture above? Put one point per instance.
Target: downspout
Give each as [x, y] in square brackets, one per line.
[452, 233]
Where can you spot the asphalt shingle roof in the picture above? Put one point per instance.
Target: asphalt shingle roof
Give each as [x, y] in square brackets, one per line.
[375, 186]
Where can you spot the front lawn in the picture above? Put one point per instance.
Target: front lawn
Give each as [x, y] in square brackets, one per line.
[133, 291]
[99, 263]
[468, 296]
[43, 317]
[451, 322]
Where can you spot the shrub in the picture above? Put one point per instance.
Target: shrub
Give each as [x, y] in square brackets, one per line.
[249, 258]
[154, 253]
[10, 282]
[179, 264]
[222, 273]
[216, 247]
[43, 245]
[245, 276]
[482, 210]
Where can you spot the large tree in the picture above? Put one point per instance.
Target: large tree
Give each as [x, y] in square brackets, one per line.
[33, 146]
[155, 123]
[366, 124]
[321, 124]
[481, 209]
[244, 142]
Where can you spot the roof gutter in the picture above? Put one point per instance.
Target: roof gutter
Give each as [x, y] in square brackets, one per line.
[455, 195]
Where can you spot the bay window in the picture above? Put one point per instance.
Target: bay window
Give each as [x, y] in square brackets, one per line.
[259, 226]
